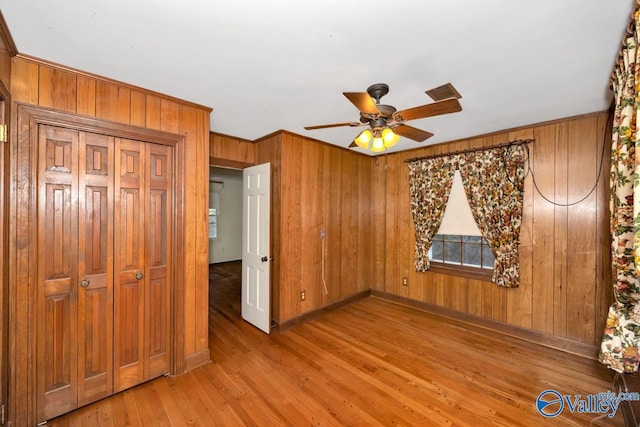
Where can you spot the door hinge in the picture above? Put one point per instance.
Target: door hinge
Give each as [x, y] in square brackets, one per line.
[3, 133]
[3, 414]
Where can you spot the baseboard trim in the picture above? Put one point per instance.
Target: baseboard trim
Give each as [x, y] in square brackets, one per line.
[290, 323]
[563, 344]
[195, 360]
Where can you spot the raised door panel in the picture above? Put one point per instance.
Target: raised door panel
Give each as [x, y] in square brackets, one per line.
[159, 241]
[129, 264]
[56, 302]
[95, 268]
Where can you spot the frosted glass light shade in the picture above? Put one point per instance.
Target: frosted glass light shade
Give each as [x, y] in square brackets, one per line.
[378, 145]
[364, 139]
[389, 137]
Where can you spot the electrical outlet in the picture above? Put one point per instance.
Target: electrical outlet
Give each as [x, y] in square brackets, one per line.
[405, 281]
[303, 295]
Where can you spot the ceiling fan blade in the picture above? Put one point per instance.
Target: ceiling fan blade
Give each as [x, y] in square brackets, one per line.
[362, 101]
[443, 92]
[446, 106]
[333, 125]
[410, 132]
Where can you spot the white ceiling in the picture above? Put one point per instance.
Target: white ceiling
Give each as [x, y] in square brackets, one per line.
[283, 64]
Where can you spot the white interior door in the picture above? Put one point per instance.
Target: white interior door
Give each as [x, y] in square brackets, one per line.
[256, 208]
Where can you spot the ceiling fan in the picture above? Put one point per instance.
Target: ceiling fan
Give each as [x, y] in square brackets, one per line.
[386, 124]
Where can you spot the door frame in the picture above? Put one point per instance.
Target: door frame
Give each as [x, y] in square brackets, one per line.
[5, 102]
[23, 251]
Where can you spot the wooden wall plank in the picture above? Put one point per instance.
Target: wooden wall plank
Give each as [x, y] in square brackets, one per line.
[58, 89]
[581, 252]
[86, 104]
[334, 225]
[25, 88]
[542, 261]
[153, 119]
[364, 223]
[138, 108]
[291, 231]
[379, 214]
[310, 226]
[113, 102]
[560, 231]
[349, 210]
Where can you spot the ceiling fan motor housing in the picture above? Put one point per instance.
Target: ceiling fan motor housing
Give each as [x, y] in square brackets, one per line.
[378, 90]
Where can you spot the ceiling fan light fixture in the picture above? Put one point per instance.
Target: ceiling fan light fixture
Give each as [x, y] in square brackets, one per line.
[364, 139]
[389, 137]
[378, 145]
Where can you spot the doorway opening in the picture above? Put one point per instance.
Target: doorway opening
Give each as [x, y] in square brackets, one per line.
[225, 240]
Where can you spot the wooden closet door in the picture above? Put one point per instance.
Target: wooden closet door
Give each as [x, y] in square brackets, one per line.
[75, 305]
[129, 263]
[143, 218]
[57, 287]
[159, 217]
[95, 268]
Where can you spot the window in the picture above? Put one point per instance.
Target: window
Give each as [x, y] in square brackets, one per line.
[214, 207]
[468, 251]
[459, 247]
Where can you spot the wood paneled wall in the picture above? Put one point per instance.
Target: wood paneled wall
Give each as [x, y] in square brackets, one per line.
[564, 253]
[58, 88]
[230, 151]
[316, 187]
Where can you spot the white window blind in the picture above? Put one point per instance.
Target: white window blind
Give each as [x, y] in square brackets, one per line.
[458, 218]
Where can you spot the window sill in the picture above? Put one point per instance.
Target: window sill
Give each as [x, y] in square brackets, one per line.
[462, 271]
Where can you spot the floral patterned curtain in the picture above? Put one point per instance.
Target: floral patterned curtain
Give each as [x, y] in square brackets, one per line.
[494, 184]
[430, 185]
[619, 348]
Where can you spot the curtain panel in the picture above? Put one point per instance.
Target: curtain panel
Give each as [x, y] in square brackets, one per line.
[430, 185]
[494, 185]
[619, 347]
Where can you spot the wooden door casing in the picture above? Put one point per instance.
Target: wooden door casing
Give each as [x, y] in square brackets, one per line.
[28, 254]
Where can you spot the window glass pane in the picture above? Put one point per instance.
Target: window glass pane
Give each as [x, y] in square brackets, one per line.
[452, 238]
[453, 252]
[472, 239]
[487, 257]
[472, 254]
[436, 250]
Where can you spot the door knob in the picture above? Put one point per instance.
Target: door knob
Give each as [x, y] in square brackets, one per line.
[84, 283]
[264, 259]
[139, 276]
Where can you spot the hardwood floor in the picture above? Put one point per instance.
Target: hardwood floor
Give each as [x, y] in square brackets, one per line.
[373, 362]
